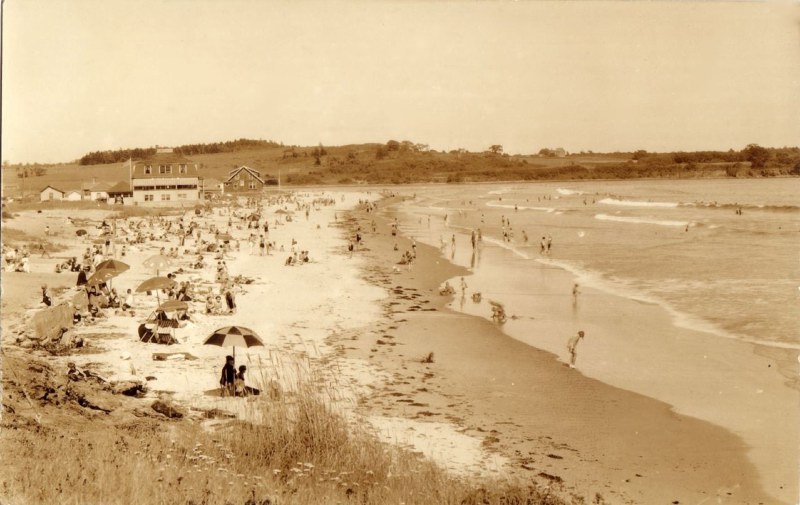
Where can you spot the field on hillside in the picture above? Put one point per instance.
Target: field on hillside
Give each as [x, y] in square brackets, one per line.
[390, 163]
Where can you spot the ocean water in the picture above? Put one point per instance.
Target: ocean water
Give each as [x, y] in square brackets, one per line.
[679, 244]
[682, 298]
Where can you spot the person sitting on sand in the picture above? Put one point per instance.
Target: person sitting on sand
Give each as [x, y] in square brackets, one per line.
[447, 289]
[46, 296]
[82, 277]
[113, 299]
[240, 386]
[127, 303]
[95, 312]
[10, 257]
[24, 265]
[228, 377]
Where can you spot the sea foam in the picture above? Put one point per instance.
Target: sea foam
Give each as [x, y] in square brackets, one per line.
[621, 288]
[563, 191]
[634, 203]
[498, 205]
[638, 220]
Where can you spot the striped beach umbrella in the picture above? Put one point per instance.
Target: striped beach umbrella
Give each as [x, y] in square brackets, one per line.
[233, 336]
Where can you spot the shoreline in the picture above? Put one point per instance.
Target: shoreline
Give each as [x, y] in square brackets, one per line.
[487, 403]
[648, 435]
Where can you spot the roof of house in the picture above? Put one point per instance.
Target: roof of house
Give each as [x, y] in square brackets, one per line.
[100, 186]
[233, 173]
[51, 187]
[120, 187]
[170, 159]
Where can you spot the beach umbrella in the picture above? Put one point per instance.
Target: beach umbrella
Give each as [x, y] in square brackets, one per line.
[233, 336]
[225, 237]
[173, 306]
[157, 262]
[101, 276]
[80, 232]
[154, 284]
[113, 265]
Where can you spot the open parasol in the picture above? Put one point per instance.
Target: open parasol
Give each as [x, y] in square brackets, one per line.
[233, 336]
[157, 262]
[154, 284]
[101, 276]
[173, 306]
[113, 265]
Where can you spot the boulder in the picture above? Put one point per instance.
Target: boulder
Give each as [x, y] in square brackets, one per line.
[167, 409]
[128, 388]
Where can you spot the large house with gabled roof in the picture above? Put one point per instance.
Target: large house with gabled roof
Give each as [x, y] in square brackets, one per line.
[165, 178]
[244, 180]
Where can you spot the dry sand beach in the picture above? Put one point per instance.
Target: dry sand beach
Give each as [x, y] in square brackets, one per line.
[380, 343]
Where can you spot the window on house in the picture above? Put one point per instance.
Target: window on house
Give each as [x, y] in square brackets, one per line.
[252, 184]
[241, 183]
[148, 169]
[162, 169]
[182, 169]
[169, 169]
[148, 198]
[165, 197]
[52, 196]
[181, 196]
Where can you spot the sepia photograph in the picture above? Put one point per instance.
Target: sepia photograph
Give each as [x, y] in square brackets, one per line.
[430, 252]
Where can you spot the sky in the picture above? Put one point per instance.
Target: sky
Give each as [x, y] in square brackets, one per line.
[86, 75]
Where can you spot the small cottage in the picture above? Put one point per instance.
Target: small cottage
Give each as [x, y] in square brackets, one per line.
[51, 194]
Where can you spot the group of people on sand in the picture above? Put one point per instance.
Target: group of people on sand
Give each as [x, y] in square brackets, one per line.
[216, 306]
[16, 259]
[232, 382]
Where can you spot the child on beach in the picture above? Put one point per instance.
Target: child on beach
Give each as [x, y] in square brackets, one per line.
[572, 347]
[46, 296]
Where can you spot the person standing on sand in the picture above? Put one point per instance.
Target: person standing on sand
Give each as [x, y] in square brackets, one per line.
[463, 287]
[572, 347]
[575, 293]
[228, 378]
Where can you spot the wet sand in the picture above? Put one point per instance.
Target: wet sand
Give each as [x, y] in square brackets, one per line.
[556, 425]
[483, 401]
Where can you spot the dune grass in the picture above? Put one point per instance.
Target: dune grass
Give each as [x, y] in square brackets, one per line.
[302, 453]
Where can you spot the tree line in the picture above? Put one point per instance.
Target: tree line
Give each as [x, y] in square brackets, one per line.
[120, 155]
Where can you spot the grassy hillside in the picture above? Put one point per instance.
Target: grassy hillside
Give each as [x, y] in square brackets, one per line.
[404, 162]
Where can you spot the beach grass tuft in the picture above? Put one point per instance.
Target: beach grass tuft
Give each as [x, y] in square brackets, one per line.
[302, 451]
